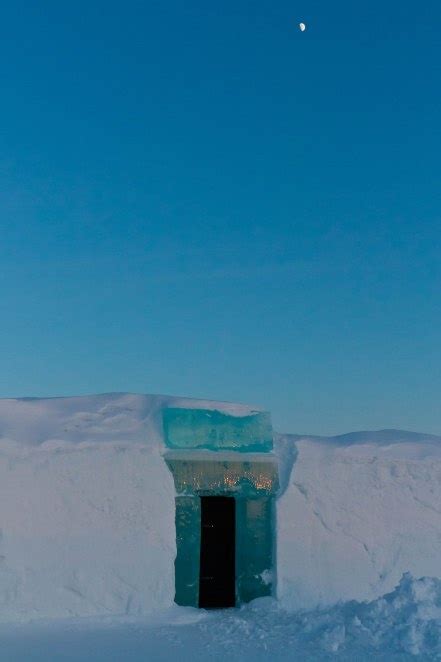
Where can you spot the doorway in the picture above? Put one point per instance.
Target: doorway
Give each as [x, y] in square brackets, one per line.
[217, 577]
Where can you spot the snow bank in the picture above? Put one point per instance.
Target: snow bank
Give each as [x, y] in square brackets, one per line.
[87, 506]
[398, 625]
[357, 512]
[407, 620]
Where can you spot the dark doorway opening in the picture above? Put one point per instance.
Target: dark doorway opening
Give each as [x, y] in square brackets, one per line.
[217, 581]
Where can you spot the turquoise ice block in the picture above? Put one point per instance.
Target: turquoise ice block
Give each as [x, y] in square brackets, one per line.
[216, 430]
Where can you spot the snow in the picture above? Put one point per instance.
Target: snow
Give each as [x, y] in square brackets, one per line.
[357, 512]
[86, 530]
[403, 625]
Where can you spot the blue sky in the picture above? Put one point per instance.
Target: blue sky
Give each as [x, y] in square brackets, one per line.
[198, 199]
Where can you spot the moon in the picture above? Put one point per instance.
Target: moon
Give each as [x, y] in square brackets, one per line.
[302, 27]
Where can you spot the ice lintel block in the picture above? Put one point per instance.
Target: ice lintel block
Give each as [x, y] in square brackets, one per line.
[203, 473]
[215, 430]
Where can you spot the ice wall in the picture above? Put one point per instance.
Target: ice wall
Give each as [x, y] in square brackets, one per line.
[358, 512]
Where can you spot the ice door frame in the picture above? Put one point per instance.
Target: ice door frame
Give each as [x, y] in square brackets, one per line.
[252, 479]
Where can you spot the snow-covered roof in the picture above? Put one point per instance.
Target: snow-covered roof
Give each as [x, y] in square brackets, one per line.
[109, 417]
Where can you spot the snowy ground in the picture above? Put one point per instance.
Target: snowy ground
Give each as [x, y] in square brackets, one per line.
[403, 625]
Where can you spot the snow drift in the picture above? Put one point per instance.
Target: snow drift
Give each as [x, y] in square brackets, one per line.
[399, 625]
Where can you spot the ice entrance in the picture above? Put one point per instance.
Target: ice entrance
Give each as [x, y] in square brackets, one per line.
[218, 459]
[217, 577]
[253, 483]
